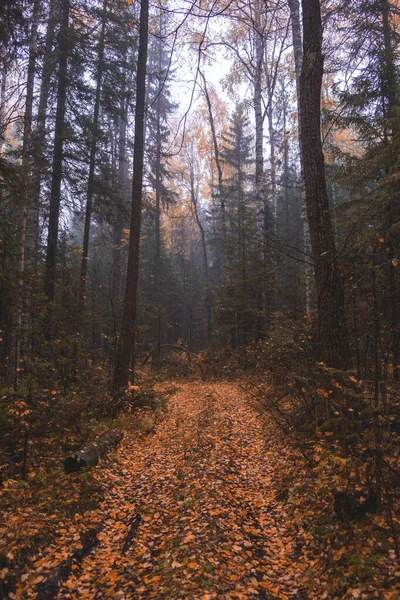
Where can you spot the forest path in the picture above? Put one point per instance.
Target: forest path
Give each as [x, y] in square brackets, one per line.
[210, 526]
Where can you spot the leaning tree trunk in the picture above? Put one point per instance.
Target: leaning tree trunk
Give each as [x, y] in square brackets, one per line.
[55, 190]
[126, 346]
[333, 340]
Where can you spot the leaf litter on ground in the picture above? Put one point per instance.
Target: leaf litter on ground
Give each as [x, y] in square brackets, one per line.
[193, 511]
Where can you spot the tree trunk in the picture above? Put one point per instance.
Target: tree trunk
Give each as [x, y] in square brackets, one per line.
[219, 168]
[298, 62]
[55, 191]
[193, 197]
[116, 284]
[390, 93]
[262, 300]
[333, 340]
[3, 88]
[158, 184]
[126, 347]
[25, 164]
[39, 135]
[259, 116]
[92, 159]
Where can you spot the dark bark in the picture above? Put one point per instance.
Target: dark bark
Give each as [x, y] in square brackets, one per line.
[333, 340]
[92, 158]
[262, 208]
[89, 455]
[217, 161]
[298, 63]
[2, 104]
[26, 154]
[55, 191]
[126, 347]
[390, 94]
[117, 287]
[158, 183]
[39, 134]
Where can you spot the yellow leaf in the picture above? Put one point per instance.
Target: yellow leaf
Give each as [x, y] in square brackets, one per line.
[338, 555]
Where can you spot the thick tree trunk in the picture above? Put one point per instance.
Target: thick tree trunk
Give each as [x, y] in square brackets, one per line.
[92, 158]
[333, 340]
[126, 347]
[55, 191]
[89, 455]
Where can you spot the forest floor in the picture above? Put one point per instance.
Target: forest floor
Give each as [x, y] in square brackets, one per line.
[194, 510]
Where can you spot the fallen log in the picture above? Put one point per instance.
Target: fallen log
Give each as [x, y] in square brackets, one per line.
[89, 455]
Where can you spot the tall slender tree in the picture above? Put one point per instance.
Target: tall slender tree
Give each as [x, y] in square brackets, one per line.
[25, 196]
[126, 346]
[59, 132]
[92, 155]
